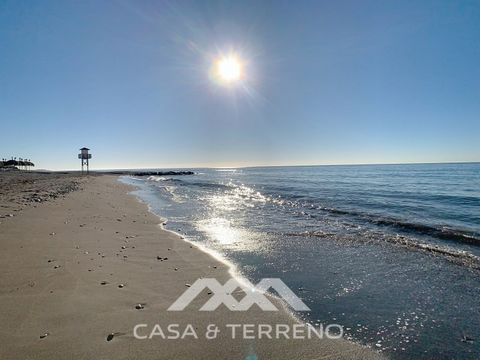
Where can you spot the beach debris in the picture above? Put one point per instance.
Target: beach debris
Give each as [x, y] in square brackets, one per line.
[124, 247]
[56, 266]
[176, 269]
[50, 260]
[119, 220]
[112, 335]
[169, 249]
[43, 336]
[188, 285]
[104, 282]
[165, 258]
[52, 234]
[121, 286]
[214, 267]
[139, 306]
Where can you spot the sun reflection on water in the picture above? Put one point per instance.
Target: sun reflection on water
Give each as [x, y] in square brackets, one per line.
[220, 230]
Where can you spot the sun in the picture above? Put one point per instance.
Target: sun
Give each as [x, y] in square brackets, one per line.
[229, 69]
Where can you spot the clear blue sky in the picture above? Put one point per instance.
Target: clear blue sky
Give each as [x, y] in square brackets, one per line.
[327, 82]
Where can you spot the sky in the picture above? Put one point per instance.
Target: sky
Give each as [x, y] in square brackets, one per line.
[323, 82]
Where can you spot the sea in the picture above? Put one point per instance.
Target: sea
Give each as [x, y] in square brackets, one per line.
[389, 252]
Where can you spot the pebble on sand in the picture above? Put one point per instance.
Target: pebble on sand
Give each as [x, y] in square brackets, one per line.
[104, 283]
[43, 336]
[139, 306]
[121, 285]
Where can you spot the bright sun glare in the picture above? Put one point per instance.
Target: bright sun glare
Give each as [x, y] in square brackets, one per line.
[229, 69]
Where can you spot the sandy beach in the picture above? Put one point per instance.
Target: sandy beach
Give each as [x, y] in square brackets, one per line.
[79, 255]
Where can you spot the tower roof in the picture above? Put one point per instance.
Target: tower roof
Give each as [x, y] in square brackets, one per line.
[84, 148]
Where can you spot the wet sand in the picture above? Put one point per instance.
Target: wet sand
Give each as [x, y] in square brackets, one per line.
[76, 265]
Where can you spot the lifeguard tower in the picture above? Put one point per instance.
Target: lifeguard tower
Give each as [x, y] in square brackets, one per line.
[84, 156]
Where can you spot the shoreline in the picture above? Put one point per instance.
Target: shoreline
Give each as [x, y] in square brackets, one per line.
[56, 256]
[232, 267]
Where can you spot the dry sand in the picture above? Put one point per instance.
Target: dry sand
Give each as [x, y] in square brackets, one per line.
[55, 254]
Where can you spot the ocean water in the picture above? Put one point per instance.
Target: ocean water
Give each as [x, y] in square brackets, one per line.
[390, 252]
